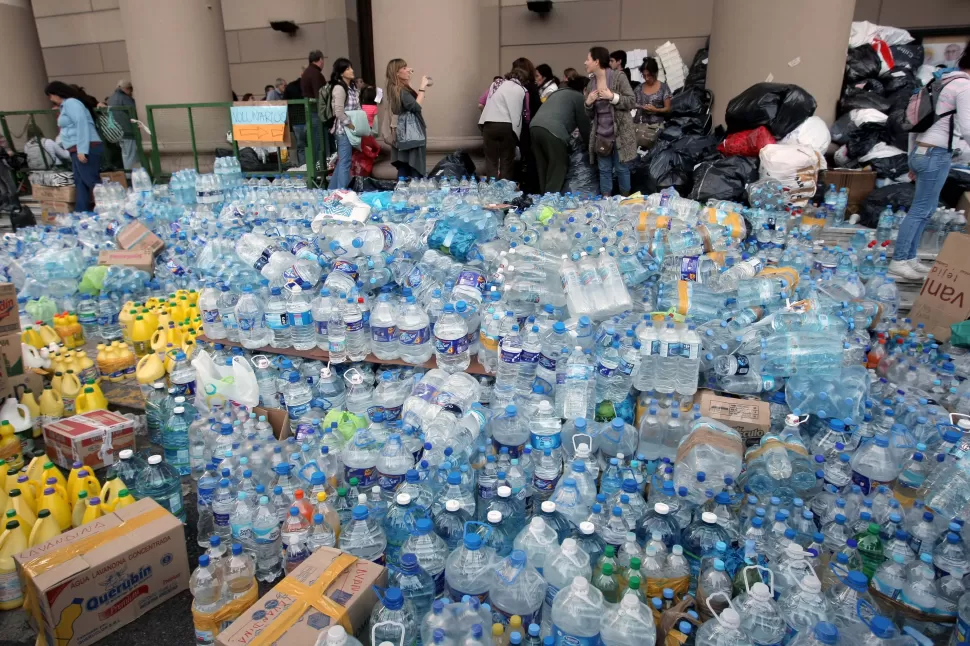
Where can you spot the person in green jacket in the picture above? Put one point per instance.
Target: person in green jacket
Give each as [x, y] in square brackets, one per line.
[552, 127]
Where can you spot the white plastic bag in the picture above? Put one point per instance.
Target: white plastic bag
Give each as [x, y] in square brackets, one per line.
[881, 150]
[812, 132]
[221, 384]
[867, 115]
[864, 31]
[796, 166]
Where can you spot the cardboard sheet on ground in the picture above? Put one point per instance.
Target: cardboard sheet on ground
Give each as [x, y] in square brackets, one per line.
[944, 298]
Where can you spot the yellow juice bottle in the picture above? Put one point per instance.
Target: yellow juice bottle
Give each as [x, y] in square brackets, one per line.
[51, 471]
[72, 476]
[12, 541]
[141, 336]
[70, 389]
[27, 488]
[10, 446]
[78, 509]
[44, 529]
[31, 336]
[86, 368]
[87, 482]
[124, 320]
[78, 331]
[17, 502]
[109, 492]
[92, 511]
[56, 382]
[123, 500]
[28, 400]
[59, 508]
[47, 334]
[91, 399]
[149, 370]
[35, 469]
[101, 359]
[174, 334]
[52, 483]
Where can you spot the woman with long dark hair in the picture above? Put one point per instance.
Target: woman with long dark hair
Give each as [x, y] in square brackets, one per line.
[502, 124]
[343, 97]
[529, 177]
[402, 98]
[79, 136]
[546, 81]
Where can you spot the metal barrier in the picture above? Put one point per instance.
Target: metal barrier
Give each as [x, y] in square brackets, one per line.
[205, 128]
[15, 125]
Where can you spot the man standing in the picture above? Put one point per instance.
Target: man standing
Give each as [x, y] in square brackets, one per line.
[122, 99]
[310, 83]
[297, 119]
[275, 93]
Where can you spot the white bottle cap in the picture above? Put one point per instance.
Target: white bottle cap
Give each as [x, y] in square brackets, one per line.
[538, 523]
[587, 528]
[760, 591]
[337, 635]
[580, 584]
[494, 516]
[405, 499]
[548, 506]
[651, 550]
[569, 546]
[629, 601]
[375, 489]
[654, 535]
[810, 583]
[450, 505]
[677, 549]
[126, 454]
[178, 410]
[729, 617]
[362, 500]
[504, 492]
[661, 508]
[154, 459]
[709, 517]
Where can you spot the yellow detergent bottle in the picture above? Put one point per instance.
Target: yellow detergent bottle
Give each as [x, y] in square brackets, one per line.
[86, 368]
[87, 482]
[51, 483]
[109, 492]
[151, 316]
[35, 469]
[20, 505]
[28, 400]
[141, 336]
[71, 486]
[44, 529]
[31, 336]
[149, 370]
[10, 446]
[70, 389]
[56, 382]
[27, 488]
[51, 471]
[78, 509]
[124, 499]
[78, 331]
[125, 320]
[188, 348]
[4, 499]
[60, 510]
[174, 334]
[12, 541]
[92, 511]
[47, 334]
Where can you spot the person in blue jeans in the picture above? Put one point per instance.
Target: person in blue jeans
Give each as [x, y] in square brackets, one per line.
[930, 160]
[609, 100]
[80, 137]
[344, 96]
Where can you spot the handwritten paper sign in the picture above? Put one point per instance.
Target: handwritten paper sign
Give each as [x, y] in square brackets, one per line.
[259, 123]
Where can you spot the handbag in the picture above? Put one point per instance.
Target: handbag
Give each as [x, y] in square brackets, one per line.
[387, 123]
[108, 128]
[602, 146]
[646, 134]
[410, 131]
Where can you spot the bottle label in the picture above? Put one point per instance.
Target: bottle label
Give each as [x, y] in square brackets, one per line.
[472, 278]
[414, 277]
[566, 639]
[688, 268]
[265, 255]
[205, 495]
[299, 319]
[365, 477]
[885, 588]
[355, 326]
[510, 356]
[141, 347]
[346, 267]
[276, 321]
[293, 277]
[866, 484]
[393, 413]
[202, 637]
[336, 346]
[296, 412]
[547, 362]
[383, 334]
[587, 277]
[415, 337]
[184, 390]
[210, 316]
[540, 442]
[744, 365]
[452, 347]
[389, 482]
[605, 370]
[241, 531]
[10, 587]
[175, 503]
[689, 350]
[529, 357]
[246, 324]
[545, 485]
[229, 320]
[388, 236]
[266, 535]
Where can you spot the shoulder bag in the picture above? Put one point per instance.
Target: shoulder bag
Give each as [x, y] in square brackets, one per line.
[410, 131]
[108, 128]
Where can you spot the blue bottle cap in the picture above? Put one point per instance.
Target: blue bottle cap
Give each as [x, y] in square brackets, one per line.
[236, 549]
[393, 599]
[826, 633]
[359, 513]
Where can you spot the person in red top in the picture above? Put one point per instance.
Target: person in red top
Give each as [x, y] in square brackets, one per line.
[311, 81]
[362, 161]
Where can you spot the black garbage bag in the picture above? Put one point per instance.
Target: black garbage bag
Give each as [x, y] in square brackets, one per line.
[957, 183]
[862, 139]
[457, 164]
[864, 100]
[841, 129]
[686, 125]
[697, 76]
[779, 106]
[581, 177]
[898, 135]
[900, 196]
[724, 179]
[366, 184]
[671, 163]
[861, 62]
[689, 101]
[890, 167]
[907, 56]
[863, 86]
[898, 79]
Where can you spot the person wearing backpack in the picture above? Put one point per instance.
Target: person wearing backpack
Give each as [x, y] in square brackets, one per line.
[936, 112]
[343, 98]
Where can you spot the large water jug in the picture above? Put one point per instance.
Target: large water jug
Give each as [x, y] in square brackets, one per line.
[516, 589]
[162, 483]
[576, 613]
[712, 448]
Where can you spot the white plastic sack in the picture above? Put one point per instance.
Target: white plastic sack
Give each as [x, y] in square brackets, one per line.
[864, 31]
[220, 384]
[881, 150]
[343, 205]
[867, 115]
[812, 132]
[841, 157]
[796, 166]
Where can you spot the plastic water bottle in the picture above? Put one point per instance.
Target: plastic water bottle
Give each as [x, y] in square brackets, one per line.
[358, 337]
[516, 589]
[251, 319]
[723, 629]
[363, 536]
[276, 319]
[430, 551]
[175, 440]
[760, 618]
[390, 615]
[163, 484]
[267, 541]
[416, 585]
[414, 340]
[823, 633]
[206, 585]
[239, 572]
[577, 612]
[560, 569]
[299, 319]
[383, 329]
[451, 342]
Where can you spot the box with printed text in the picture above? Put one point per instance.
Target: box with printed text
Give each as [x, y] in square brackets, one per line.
[94, 438]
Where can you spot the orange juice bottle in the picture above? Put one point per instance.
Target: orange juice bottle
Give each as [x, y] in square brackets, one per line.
[141, 336]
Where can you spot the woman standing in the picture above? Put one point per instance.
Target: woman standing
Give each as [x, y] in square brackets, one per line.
[652, 96]
[80, 136]
[546, 81]
[609, 99]
[529, 177]
[405, 104]
[343, 97]
[502, 121]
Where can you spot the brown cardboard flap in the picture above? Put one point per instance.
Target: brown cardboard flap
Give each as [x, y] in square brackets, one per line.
[944, 298]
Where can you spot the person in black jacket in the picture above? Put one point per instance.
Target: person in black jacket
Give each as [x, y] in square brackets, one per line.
[528, 174]
[297, 119]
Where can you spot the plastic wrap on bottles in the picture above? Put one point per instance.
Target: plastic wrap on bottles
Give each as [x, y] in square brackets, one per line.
[840, 395]
[709, 447]
[581, 177]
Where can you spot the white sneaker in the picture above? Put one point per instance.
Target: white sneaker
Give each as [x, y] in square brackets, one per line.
[902, 269]
[919, 266]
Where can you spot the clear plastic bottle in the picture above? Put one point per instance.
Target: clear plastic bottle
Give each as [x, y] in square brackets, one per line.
[414, 341]
[163, 484]
[321, 534]
[577, 612]
[267, 542]
[251, 320]
[384, 331]
[517, 589]
[299, 319]
[276, 319]
[392, 614]
[560, 569]
[451, 342]
[761, 620]
[723, 630]
[363, 536]
[206, 585]
[430, 550]
[416, 585]
[804, 607]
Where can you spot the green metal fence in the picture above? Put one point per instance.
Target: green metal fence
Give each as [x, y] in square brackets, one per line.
[203, 129]
[17, 124]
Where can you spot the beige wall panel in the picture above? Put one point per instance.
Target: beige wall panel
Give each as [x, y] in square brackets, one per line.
[267, 45]
[75, 59]
[867, 10]
[232, 47]
[102, 5]
[22, 74]
[78, 29]
[567, 23]
[43, 8]
[97, 85]
[666, 20]
[114, 56]
[253, 77]
[925, 13]
[256, 14]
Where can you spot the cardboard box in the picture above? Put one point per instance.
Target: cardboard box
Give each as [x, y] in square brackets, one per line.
[278, 418]
[115, 176]
[750, 417]
[54, 193]
[138, 258]
[350, 588]
[57, 207]
[944, 298]
[90, 581]
[963, 204]
[9, 316]
[859, 182]
[94, 438]
[136, 235]
[14, 377]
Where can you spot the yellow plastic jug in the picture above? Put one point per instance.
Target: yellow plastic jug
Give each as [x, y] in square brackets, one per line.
[51, 471]
[52, 483]
[86, 368]
[10, 446]
[17, 502]
[141, 336]
[59, 508]
[31, 336]
[27, 399]
[35, 469]
[149, 370]
[174, 334]
[44, 529]
[72, 475]
[92, 511]
[12, 541]
[91, 399]
[125, 320]
[109, 492]
[70, 389]
[124, 499]
[51, 407]
[47, 334]
[78, 509]
[86, 482]
[28, 488]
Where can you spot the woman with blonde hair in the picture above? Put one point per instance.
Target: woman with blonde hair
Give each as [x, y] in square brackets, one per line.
[404, 128]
